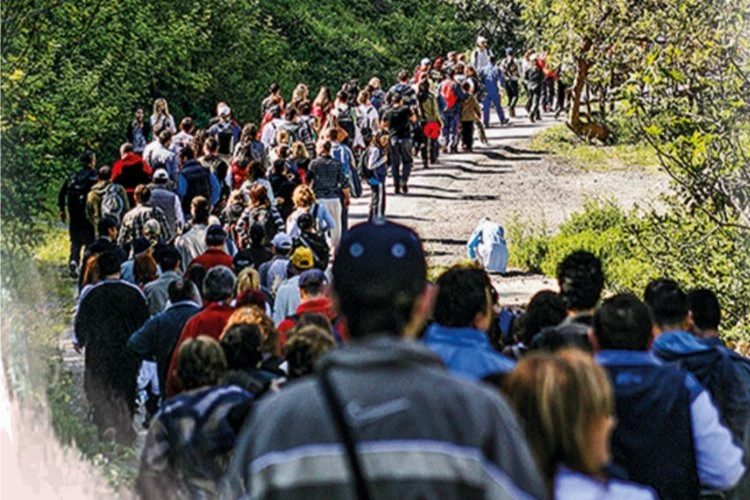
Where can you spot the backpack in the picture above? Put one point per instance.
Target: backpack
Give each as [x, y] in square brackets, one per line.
[78, 190]
[363, 166]
[317, 245]
[225, 138]
[346, 121]
[343, 154]
[113, 204]
[448, 91]
[305, 132]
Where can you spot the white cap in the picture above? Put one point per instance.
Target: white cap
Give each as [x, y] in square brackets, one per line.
[481, 39]
[533, 57]
[425, 61]
[160, 175]
[224, 110]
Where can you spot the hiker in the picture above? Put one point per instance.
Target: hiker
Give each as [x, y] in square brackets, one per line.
[139, 131]
[195, 179]
[470, 113]
[312, 287]
[568, 428]
[387, 383]
[463, 316]
[287, 290]
[452, 95]
[214, 255]
[492, 81]
[106, 199]
[309, 237]
[168, 201]
[135, 219]
[431, 123]
[534, 77]
[226, 132]
[72, 196]
[376, 173]
[108, 312]
[405, 90]
[273, 97]
[481, 55]
[261, 211]
[161, 154]
[192, 243]
[130, 170]
[184, 138]
[249, 149]
[398, 121]
[321, 107]
[161, 119]
[487, 246]
[684, 448]
[511, 72]
[305, 346]
[305, 202]
[329, 183]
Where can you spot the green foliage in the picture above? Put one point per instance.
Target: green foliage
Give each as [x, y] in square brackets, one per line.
[569, 148]
[73, 71]
[499, 22]
[635, 249]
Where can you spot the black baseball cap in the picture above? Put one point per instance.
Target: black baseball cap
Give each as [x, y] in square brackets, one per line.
[377, 261]
[215, 235]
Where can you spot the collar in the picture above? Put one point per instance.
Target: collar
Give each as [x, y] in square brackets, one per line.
[626, 358]
[459, 336]
[182, 303]
[678, 342]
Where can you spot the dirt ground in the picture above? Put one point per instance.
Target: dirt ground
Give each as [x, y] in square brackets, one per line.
[503, 178]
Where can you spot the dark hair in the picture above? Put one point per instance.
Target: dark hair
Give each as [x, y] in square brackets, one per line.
[257, 235]
[463, 292]
[186, 125]
[168, 257]
[403, 75]
[196, 273]
[105, 173]
[274, 87]
[201, 209]
[290, 113]
[106, 223]
[259, 195]
[333, 135]
[87, 157]
[211, 144]
[164, 136]
[200, 362]
[305, 107]
[305, 222]
[546, 308]
[705, 307]
[305, 346]
[187, 153]
[249, 133]
[279, 166]
[326, 145]
[581, 280]
[316, 319]
[396, 98]
[342, 95]
[242, 346]
[142, 193]
[182, 289]
[667, 302]
[623, 322]
[109, 263]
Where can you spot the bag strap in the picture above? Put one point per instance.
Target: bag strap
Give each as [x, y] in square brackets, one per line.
[334, 405]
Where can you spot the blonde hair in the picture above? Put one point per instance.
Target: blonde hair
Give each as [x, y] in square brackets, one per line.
[299, 150]
[160, 102]
[253, 315]
[282, 137]
[248, 279]
[300, 93]
[303, 196]
[560, 398]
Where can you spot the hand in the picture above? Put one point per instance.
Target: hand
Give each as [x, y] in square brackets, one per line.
[77, 347]
[62, 215]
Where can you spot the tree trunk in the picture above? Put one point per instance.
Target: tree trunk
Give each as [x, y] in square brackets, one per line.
[574, 117]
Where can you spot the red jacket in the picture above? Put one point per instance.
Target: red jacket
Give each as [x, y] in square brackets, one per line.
[210, 321]
[211, 258]
[130, 171]
[322, 306]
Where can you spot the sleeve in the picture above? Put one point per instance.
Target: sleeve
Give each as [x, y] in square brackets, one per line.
[125, 199]
[181, 186]
[140, 341]
[93, 208]
[215, 189]
[62, 196]
[326, 218]
[718, 459]
[123, 237]
[377, 159]
[179, 215]
[471, 246]
[166, 230]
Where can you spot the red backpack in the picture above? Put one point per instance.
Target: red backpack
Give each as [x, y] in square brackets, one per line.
[448, 91]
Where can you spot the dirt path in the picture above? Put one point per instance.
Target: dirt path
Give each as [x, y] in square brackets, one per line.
[446, 201]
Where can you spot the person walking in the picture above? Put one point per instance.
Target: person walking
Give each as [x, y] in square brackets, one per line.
[139, 131]
[534, 77]
[376, 172]
[431, 123]
[492, 80]
[511, 72]
[398, 120]
[72, 196]
[327, 179]
[130, 170]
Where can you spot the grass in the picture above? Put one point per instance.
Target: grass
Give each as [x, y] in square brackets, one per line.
[567, 147]
[40, 305]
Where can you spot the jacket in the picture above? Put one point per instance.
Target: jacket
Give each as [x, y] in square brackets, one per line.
[197, 180]
[327, 177]
[322, 306]
[212, 257]
[470, 109]
[130, 171]
[95, 197]
[471, 446]
[466, 352]
[157, 291]
[487, 245]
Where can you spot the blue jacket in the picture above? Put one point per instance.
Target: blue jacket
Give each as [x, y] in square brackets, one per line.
[669, 434]
[492, 78]
[466, 352]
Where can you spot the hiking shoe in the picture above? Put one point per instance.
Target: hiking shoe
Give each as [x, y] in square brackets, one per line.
[404, 188]
[396, 188]
[505, 122]
[73, 269]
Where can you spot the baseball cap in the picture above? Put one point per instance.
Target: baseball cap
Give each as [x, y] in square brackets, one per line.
[243, 259]
[282, 241]
[215, 235]
[160, 175]
[481, 39]
[377, 261]
[302, 258]
[312, 278]
[508, 50]
[224, 110]
[425, 61]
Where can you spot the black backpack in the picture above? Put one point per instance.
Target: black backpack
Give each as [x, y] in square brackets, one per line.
[225, 138]
[363, 165]
[78, 190]
[345, 121]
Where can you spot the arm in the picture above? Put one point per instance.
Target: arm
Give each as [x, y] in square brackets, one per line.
[326, 219]
[141, 341]
[166, 231]
[215, 189]
[179, 215]
[92, 208]
[61, 198]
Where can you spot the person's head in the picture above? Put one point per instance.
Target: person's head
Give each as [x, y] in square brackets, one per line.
[566, 405]
[160, 176]
[125, 149]
[298, 150]
[186, 154]
[241, 344]
[301, 260]
[142, 194]
[165, 137]
[108, 226]
[181, 290]
[186, 125]
[463, 298]
[218, 285]
[481, 42]
[253, 315]
[424, 87]
[668, 305]
[275, 111]
[333, 135]
[215, 236]
[705, 311]
[305, 108]
[305, 223]
[248, 279]
[546, 308]
[168, 258]
[138, 112]
[274, 88]
[151, 230]
[324, 148]
[397, 100]
[303, 196]
[290, 114]
[304, 347]
[210, 146]
[144, 268]
[509, 52]
[225, 112]
[623, 323]
[259, 196]
[363, 97]
[581, 281]
[452, 56]
[88, 159]
[381, 139]
[466, 87]
[249, 133]
[200, 209]
[312, 284]
[459, 68]
[109, 264]
[279, 167]
[379, 278]
[470, 71]
[281, 243]
[200, 363]
[104, 173]
[403, 76]
[161, 106]
[196, 273]
[300, 92]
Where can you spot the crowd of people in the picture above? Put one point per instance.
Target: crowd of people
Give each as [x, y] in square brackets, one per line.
[278, 353]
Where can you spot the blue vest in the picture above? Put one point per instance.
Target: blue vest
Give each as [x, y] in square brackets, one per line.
[653, 440]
